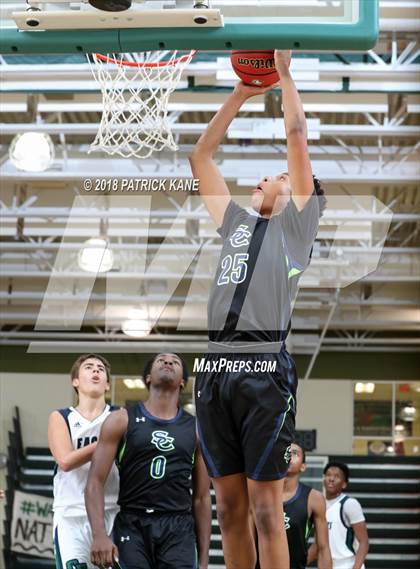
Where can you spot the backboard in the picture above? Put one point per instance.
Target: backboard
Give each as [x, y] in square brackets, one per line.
[70, 27]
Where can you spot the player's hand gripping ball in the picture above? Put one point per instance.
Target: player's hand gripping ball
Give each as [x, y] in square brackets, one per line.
[255, 67]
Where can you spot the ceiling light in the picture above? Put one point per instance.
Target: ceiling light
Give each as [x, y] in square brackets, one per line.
[399, 428]
[137, 324]
[96, 257]
[134, 383]
[32, 151]
[408, 413]
[364, 387]
[136, 328]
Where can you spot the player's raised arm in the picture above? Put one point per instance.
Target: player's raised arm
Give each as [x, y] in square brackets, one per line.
[298, 163]
[212, 186]
[317, 507]
[201, 503]
[61, 446]
[113, 430]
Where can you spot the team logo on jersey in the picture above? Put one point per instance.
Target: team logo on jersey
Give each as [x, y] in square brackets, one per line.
[162, 440]
[86, 441]
[286, 521]
[240, 237]
[75, 564]
[288, 454]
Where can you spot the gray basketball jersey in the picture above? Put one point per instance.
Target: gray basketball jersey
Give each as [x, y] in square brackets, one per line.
[257, 276]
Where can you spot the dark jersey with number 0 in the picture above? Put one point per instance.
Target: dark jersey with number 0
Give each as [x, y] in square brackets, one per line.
[155, 462]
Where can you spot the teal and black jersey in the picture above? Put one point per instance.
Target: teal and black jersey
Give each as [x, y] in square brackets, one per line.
[298, 526]
[155, 461]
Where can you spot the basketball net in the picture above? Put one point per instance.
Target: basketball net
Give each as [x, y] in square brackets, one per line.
[135, 96]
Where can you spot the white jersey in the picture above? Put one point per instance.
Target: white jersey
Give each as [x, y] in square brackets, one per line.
[69, 487]
[342, 513]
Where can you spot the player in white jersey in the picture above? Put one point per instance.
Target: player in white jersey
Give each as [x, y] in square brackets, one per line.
[72, 436]
[348, 537]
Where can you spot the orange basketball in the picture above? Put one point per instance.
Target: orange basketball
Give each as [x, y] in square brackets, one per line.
[255, 67]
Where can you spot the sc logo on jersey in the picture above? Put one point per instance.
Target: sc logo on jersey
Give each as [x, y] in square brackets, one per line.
[162, 440]
[240, 237]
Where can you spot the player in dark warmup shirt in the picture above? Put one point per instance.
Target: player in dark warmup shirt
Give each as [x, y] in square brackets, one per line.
[304, 508]
[246, 416]
[154, 444]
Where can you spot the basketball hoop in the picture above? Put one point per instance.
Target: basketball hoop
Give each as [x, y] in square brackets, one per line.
[135, 96]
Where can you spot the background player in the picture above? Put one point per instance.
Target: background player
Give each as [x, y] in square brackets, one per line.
[246, 420]
[155, 446]
[304, 509]
[72, 437]
[348, 537]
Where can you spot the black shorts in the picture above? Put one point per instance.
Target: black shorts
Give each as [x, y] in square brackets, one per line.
[245, 407]
[155, 541]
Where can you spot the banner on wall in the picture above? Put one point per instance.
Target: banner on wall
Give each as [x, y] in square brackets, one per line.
[32, 523]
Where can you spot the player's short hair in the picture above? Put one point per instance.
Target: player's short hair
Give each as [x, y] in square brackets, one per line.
[74, 372]
[343, 467]
[302, 449]
[321, 195]
[149, 365]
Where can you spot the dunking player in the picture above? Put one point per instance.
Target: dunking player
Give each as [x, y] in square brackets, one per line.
[72, 436]
[155, 446]
[246, 418]
[348, 536]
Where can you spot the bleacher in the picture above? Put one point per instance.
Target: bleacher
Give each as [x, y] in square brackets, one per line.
[22, 474]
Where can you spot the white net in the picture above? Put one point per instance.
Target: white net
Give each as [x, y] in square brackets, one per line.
[135, 95]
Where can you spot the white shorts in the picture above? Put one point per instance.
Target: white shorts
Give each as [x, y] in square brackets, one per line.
[73, 539]
[344, 564]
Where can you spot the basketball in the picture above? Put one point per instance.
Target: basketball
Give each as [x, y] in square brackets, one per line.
[255, 67]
